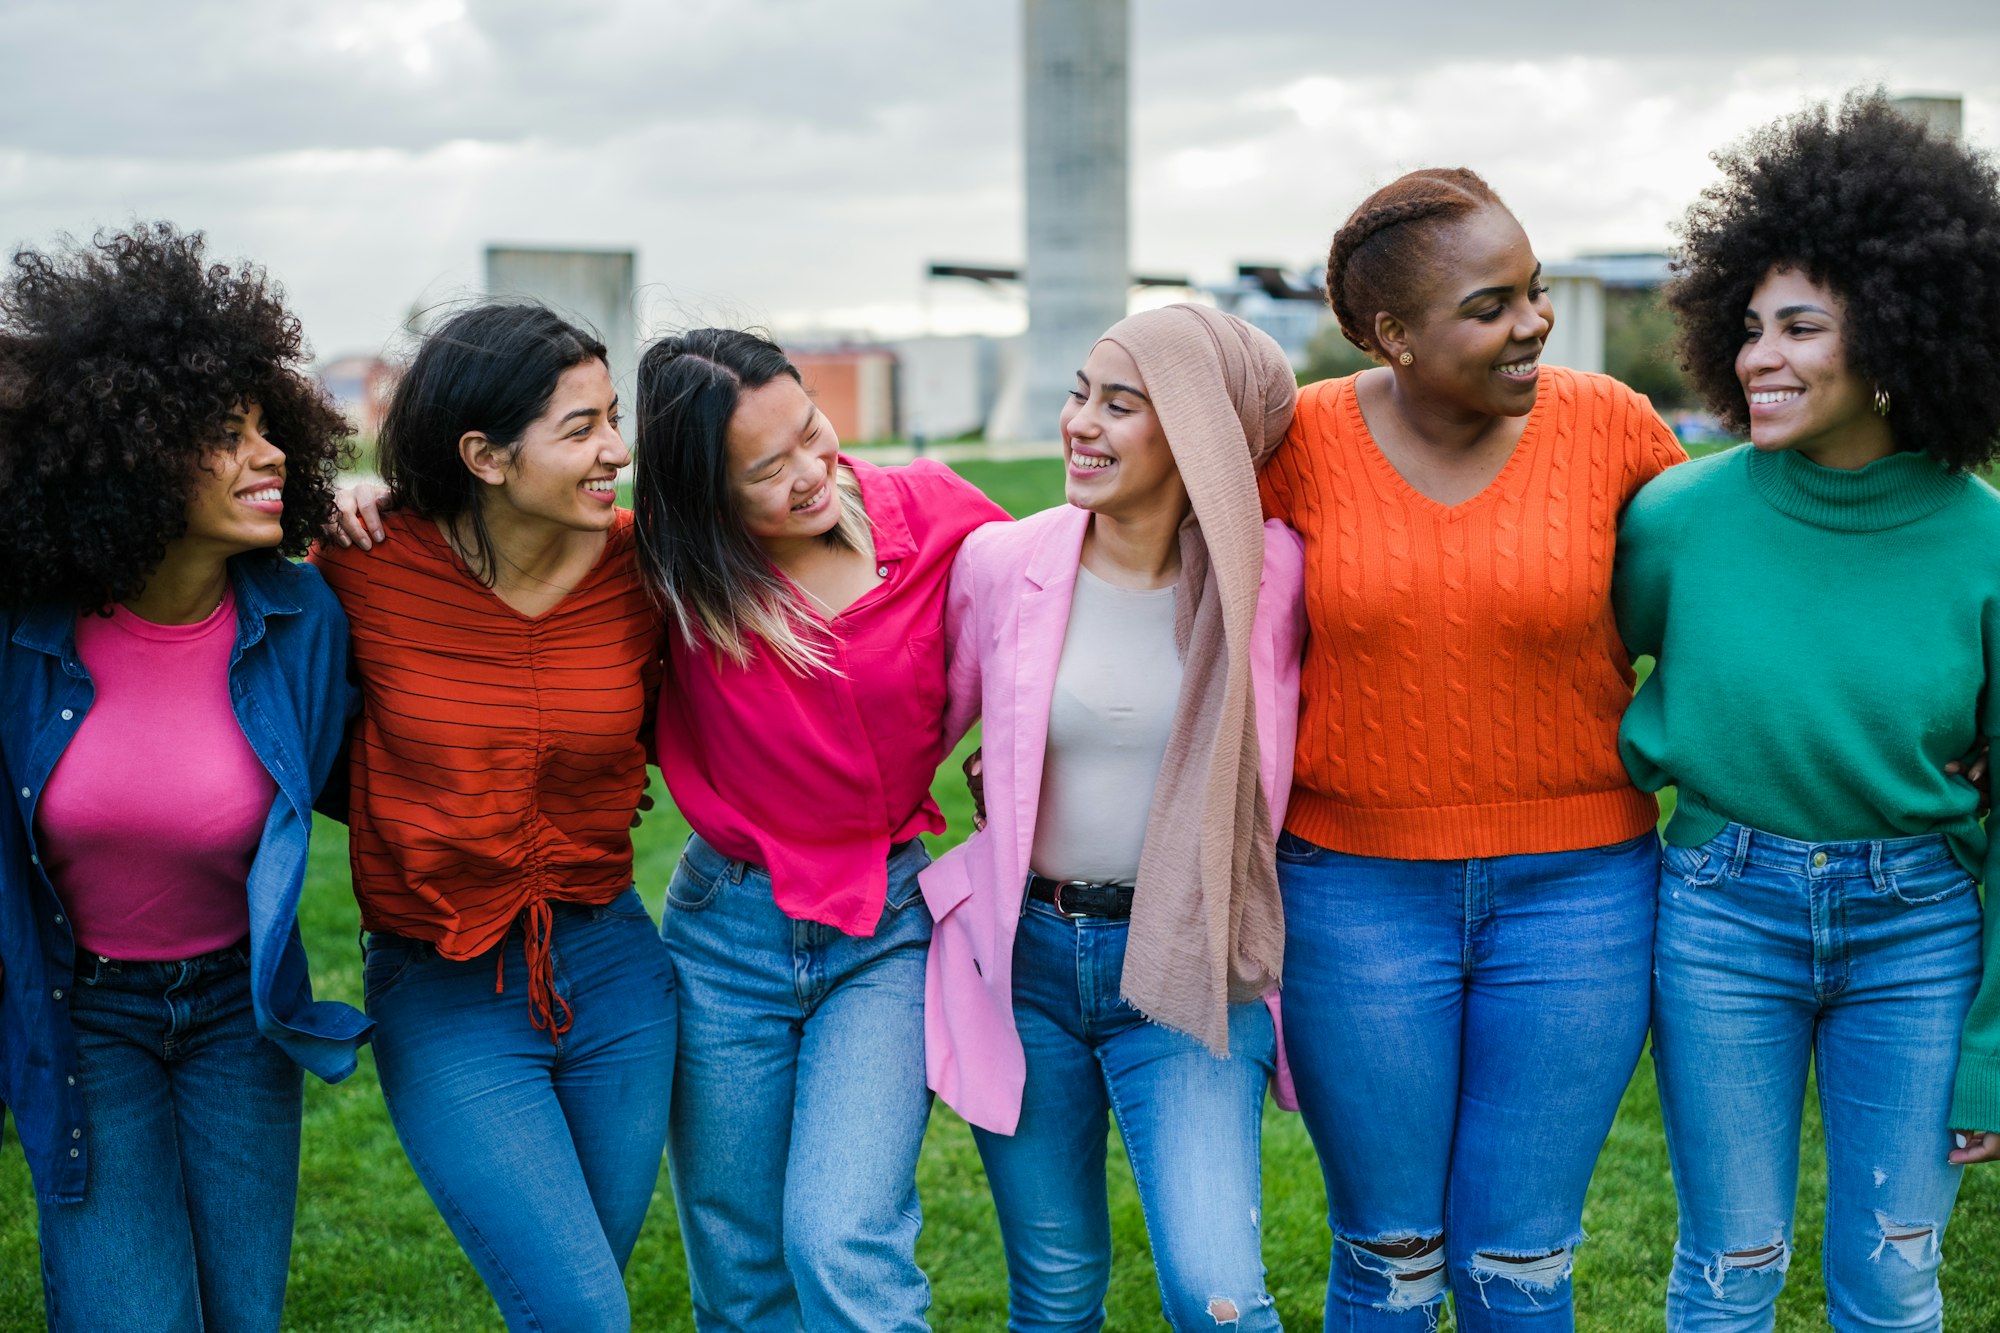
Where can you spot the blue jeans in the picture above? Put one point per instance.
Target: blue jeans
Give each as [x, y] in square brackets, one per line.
[799, 1103]
[1192, 1126]
[542, 1155]
[1861, 959]
[1460, 1033]
[192, 1120]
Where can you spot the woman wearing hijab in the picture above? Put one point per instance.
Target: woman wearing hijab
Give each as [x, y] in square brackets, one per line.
[1103, 943]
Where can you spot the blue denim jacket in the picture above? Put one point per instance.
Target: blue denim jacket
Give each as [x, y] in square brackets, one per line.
[288, 682]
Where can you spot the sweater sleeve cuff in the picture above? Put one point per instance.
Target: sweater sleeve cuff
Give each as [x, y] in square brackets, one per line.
[1975, 1101]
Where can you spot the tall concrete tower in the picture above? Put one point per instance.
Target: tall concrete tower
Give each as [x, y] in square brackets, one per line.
[1077, 101]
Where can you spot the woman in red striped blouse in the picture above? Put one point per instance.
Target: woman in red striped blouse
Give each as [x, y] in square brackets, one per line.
[508, 658]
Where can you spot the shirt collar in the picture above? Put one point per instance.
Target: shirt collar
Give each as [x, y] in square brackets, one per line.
[884, 503]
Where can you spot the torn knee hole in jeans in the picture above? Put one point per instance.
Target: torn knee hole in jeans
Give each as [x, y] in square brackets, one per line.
[1541, 1271]
[1223, 1311]
[1414, 1266]
[1774, 1257]
[1915, 1243]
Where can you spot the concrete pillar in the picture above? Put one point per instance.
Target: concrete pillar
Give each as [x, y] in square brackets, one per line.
[1078, 114]
[1943, 113]
[590, 287]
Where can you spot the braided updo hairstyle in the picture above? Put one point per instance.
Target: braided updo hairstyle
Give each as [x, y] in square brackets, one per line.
[1379, 254]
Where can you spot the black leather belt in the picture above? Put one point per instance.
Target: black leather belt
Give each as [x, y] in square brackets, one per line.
[1077, 897]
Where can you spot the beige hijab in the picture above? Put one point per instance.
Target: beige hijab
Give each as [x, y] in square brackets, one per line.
[1207, 929]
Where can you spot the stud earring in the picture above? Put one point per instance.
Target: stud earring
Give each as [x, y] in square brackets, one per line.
[1406, 359]
[1881, 401]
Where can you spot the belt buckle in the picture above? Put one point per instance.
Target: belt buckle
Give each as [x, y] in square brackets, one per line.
[1056, 898]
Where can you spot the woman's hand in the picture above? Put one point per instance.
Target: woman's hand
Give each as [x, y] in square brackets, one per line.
[1972, 767]
[357, 516]
[645, 804]
[975, 782]
[1973, 1146]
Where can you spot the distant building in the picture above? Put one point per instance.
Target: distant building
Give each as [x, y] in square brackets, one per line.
[592, 287]
[361, 387]
[855, 385]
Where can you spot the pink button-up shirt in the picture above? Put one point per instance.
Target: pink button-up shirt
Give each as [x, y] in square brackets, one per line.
[813, 777]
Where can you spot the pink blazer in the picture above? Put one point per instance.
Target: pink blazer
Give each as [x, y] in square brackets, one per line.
[1005, 619]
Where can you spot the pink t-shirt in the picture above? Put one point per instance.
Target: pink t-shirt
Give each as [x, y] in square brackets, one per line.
[813, 777]
[153, 814]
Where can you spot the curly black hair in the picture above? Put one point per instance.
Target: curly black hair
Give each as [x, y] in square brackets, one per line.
[1902, 224]
[119, 362]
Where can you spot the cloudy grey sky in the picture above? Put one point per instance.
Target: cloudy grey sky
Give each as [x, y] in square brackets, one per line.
[798, 162]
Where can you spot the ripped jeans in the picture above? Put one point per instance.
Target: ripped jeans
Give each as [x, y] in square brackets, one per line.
[1460, 1033]
[1192, 1126]
[1861, 959]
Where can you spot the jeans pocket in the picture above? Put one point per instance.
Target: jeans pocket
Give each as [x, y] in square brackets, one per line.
[385, 961]
[1698, 867]
[1296, 851]
[627, 906]
[1933, 883]
[689, 890]
[904, 866]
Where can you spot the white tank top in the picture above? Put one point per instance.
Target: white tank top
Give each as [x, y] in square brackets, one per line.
[1117, 685]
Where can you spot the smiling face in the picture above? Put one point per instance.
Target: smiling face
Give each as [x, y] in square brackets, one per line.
[783, 455]
[237, 502]
[1793, 369]
[1115, 451]
[565, 468]
[1478, 342]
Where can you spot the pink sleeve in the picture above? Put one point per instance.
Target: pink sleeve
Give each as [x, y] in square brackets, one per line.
[1276, 644]
[963, 667]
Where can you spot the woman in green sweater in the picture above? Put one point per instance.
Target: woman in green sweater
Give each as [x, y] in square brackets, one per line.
[1825, 610]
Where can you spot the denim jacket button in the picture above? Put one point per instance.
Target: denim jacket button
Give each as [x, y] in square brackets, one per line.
[72, 1152]
[76, 1133]
[67, 715]
[58, 993]
[72, 1080]
[24, 793]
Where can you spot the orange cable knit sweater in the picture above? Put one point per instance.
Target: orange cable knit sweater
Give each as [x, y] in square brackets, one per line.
[1464, 679]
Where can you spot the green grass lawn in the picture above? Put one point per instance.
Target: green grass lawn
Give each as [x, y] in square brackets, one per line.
[372, 1254]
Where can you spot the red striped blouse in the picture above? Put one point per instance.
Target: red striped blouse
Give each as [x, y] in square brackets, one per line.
[498, 758]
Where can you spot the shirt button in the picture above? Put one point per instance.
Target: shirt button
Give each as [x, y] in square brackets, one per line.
[72, 1152]
[24, 793]
[58, 994]
[58, 918]
[67, 715]
[76, 1133]
[72, 1080]
[881, 571]
[1819, 860]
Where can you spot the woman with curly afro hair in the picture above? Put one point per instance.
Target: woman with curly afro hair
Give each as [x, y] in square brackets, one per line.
[176, 694]
[1824, 606]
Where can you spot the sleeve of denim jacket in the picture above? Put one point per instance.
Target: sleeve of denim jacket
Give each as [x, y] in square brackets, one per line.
[1975, 1102]
[336, 697]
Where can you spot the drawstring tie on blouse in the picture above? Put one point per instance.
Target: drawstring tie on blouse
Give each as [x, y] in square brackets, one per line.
[537, 925]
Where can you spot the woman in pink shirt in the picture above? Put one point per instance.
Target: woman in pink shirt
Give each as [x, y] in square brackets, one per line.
[801, 723]
[1102, 942]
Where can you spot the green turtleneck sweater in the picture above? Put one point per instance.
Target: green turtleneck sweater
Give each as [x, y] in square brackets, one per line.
[1824, 642]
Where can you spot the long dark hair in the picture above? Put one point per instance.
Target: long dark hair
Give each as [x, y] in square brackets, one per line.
[490, 369]
[704, 568]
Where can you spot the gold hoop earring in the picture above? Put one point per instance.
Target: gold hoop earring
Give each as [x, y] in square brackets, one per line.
[1406, 359]
[1881, 401]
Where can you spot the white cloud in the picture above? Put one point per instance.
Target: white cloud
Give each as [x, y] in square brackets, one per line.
[798, 163]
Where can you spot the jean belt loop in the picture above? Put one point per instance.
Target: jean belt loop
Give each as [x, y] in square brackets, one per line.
[1742, 853]
[1875, 870]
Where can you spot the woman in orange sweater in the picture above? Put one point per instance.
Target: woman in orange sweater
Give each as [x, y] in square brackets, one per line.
[1468, 874]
